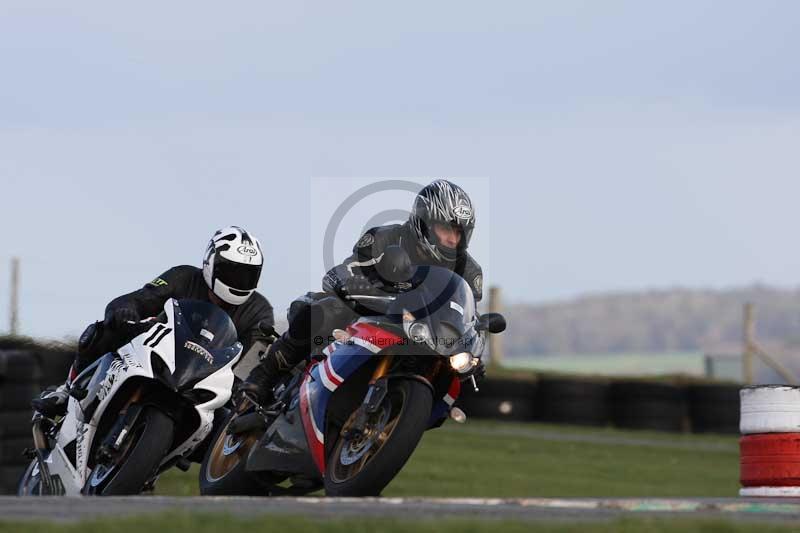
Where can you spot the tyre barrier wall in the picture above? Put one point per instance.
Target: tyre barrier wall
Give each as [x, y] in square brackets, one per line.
[23, 375]
[769, 448]
[632, 404]
[572, 401]
[655, 406]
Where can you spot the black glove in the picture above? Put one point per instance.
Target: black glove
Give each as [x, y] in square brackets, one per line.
[90, 336]
[118, 317]
[266, 332]
[358, 285]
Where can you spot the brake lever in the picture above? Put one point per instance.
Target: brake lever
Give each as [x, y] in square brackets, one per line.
[257, 406]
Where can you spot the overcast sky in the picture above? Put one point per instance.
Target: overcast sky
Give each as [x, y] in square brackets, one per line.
[607, 145]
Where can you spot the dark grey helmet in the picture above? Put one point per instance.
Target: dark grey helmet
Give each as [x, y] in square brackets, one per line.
[444, 203]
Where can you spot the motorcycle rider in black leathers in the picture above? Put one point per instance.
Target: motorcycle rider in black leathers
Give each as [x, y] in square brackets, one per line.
[231, 270]
[437, 233]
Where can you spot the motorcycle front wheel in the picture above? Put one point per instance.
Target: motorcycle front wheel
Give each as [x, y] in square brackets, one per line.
[142, 452]
[223, 473]
[363, 463]
[30, 484]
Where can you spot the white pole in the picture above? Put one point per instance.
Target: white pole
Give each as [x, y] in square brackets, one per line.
[495, 345]
[14, 315]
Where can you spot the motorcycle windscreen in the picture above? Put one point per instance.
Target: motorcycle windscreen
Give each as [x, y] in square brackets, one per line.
[443, 301]
[205, 341]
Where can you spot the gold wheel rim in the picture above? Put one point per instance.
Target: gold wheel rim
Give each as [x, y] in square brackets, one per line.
[220, 465]
[342, 473]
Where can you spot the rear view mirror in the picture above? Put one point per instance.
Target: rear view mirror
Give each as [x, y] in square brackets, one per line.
[492, 322]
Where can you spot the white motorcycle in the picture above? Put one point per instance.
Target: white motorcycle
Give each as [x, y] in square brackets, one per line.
[138, 411]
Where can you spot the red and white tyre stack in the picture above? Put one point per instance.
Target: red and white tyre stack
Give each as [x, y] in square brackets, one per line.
[770, 443]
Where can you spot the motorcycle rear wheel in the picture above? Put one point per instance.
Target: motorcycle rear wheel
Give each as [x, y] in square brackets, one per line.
[363, 465]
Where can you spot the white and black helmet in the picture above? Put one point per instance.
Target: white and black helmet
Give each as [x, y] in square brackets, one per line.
[232, 264]
[444, 203]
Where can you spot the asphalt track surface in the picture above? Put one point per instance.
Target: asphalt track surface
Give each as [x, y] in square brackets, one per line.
[76, 509]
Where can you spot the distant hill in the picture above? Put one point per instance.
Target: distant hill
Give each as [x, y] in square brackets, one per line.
[672, 320]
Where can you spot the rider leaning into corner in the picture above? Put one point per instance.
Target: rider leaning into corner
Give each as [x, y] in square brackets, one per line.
[437, 233]
[229, 277]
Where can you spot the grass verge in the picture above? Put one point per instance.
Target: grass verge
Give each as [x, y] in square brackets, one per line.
[494, 459]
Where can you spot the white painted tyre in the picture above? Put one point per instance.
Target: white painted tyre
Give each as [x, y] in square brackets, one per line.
[769, 409]
[770, 492]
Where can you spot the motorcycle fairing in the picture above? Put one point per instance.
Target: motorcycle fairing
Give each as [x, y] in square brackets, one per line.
[441, 406]
[133, 360]
[279, 448]
[117, 369]
[220, 383]
[342, 360]
[284, 446]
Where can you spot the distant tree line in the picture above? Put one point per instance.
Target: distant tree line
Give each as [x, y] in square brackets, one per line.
[652, 321]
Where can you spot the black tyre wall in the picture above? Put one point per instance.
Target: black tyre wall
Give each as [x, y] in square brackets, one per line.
[641, 405]
[19, 367]
[10, 475]
[568, 401]
[499, 399]
[17, 396]
[714, 408]
[15, 424]
[55, 365]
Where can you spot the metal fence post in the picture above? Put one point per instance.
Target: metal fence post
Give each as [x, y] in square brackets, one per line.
[14, 303]
[495, 342]
[748, 342]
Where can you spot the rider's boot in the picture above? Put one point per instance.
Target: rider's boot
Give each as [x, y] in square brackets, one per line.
[91, 345]
[283, 355]
[53, 401]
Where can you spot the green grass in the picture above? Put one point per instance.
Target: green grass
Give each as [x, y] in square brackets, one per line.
[614, 364]
[494, 459]
[206, 523]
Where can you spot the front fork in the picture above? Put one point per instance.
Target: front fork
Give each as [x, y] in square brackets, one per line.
[129, 414]
[378, 387]
[42, 449]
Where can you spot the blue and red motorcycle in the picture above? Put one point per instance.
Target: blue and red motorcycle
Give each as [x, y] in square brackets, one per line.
[350, 418]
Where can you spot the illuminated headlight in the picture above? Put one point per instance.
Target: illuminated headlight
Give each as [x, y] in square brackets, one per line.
[462, 362]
